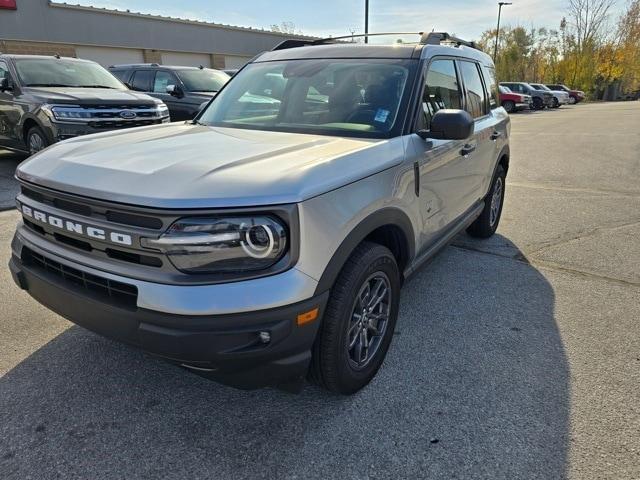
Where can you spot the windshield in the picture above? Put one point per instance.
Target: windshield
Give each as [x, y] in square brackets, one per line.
[332, 96]
[504, 89]
[53, 72]
[538, 86]
[205, 80]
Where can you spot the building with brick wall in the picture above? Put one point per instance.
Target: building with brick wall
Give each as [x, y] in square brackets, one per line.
[46, 27]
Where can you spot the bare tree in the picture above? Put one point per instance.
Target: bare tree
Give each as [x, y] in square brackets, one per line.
[588, 19]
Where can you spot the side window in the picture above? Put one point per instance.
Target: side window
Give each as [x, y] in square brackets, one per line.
[162, 80]
[4, 70]
[476, 101]
[141, 80]
[492, 86]
[442, 90]
[119, 74]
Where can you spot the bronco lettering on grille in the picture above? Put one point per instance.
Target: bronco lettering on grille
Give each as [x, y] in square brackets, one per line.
[75, 227]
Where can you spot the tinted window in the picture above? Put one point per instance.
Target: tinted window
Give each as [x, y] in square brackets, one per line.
[492, 85]
[45, 72]
[476, 103]
[162, 80]
[204, 80]
[356, 97]
[441, 89]
[119, 74]
[141, 80]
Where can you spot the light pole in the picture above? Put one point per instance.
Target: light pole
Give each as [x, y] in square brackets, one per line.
[495, 51]
[366, 21]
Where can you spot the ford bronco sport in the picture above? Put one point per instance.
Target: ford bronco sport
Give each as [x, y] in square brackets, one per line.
[267, 240]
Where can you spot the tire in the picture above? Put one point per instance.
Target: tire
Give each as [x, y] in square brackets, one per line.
[333, 364]
[36, 140]
[572, 100]
[487, 223]
[556, 103]
[509, 106]
[537, 104]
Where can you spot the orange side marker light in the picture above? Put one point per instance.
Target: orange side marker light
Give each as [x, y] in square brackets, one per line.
[309, 316]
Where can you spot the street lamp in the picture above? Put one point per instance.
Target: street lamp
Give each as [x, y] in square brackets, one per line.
[495, 51]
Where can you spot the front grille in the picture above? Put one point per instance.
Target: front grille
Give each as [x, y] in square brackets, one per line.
[122, 123]
[111, 291]
[124, 218]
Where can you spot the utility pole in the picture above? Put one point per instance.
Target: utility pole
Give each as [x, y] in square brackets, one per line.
[366, 21]
[495, 51]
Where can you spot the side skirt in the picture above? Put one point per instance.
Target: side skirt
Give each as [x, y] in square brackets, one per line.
[462, 223]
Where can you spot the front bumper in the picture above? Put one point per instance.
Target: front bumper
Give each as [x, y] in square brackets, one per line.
[229, 348]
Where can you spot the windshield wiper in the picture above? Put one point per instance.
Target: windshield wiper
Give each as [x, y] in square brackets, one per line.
[95, 86]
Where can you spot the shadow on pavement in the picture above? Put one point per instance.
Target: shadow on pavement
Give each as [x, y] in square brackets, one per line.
[476, 385]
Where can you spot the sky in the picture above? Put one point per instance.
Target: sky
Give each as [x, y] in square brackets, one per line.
[465, 18]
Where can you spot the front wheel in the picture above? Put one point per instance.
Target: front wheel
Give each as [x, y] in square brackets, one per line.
[572, 100]
[487, 223]
[359, 321]
[36, 140]
[538, 104]
[556, 103]
[509, 106]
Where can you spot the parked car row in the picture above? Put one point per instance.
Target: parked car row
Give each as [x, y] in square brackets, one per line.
[516, 96]
[45, 99]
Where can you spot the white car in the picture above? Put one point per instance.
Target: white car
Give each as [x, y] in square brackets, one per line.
[560, 97]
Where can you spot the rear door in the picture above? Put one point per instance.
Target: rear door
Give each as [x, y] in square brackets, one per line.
[481, 145]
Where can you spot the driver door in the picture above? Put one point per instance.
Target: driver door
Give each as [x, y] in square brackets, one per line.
[446, 183]
[9, 112]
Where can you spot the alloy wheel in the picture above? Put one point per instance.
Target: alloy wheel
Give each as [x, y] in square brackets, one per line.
[36, 143]
[369, 320]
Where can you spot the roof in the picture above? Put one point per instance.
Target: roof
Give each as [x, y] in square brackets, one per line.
[44, 57]
[127, 12]
[360, 50]
[156, 65]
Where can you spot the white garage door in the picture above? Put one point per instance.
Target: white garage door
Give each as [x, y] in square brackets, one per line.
[186, 59]
[231, 61]
[110, 56]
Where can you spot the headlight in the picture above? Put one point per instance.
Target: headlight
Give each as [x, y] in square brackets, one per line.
[67, 113]
[223, 245]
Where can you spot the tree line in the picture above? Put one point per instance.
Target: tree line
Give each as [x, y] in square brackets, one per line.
[587, 51]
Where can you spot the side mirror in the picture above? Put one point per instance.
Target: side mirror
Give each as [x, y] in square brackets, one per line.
[174, 90]
[6, 85]
[448, 124]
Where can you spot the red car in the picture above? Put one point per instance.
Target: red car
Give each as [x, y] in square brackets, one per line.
[575, 96]
[514, 102]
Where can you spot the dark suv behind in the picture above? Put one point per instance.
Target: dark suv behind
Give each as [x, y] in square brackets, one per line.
[183, 89]
[47, 99]
[541, 99]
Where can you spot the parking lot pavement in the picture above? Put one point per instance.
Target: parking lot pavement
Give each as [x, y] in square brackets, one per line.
[8, 186]
[517, 357]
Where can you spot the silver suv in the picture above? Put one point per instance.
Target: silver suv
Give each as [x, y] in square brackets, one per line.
[267, 240]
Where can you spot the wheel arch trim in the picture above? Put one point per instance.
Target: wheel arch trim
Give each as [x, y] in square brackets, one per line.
[388, 216]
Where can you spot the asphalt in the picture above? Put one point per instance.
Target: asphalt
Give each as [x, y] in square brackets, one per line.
[517, 357]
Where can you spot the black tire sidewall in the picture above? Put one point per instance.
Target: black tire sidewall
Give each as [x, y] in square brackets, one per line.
[343, 378]
[35, 130]
[509, 106]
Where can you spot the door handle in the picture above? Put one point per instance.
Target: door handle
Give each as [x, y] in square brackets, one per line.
[467, 149]
[495, 135]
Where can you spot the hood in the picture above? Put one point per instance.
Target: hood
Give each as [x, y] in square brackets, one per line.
[182, 165]
[76, 95]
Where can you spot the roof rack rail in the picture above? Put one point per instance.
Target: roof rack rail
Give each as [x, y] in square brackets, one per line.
[438, 38]
[426, 38]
